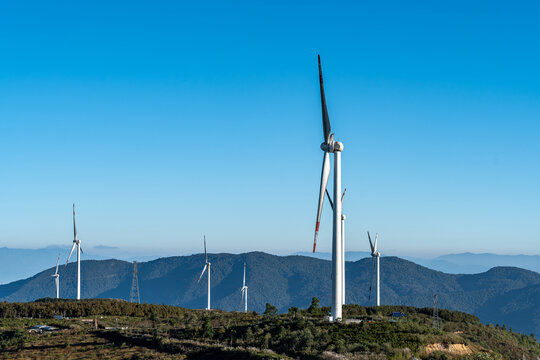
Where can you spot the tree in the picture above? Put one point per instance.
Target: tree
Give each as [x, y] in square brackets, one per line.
[248, 336]
[314, 307]
[305, 339]
[293, 310]
[208, 329]
[266, 341]
[270, 310]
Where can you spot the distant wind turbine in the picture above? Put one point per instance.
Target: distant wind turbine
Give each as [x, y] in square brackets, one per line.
[376, 254]
[206, 266]
[76, 242]
[56, 276]
[244, 290]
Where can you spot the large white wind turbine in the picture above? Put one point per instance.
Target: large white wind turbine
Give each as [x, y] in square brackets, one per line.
[206, 266]
[244, 290]
[336, 147]
[56, 276]
[76, 242]
[376, 254]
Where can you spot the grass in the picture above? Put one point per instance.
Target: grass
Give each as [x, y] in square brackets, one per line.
[73, 344]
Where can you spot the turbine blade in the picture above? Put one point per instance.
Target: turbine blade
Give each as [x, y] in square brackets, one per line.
[57, 262]
[342, 196]
[325, 173]
[375, 246]
[329, 199]
[203, 270]
[370, 243]
[205, 255]
[74, 226]
[325, 119]
[244, 283]
[71, 252]
[82, 252]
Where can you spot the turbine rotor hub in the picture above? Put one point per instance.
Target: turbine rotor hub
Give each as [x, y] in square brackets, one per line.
[332, 146]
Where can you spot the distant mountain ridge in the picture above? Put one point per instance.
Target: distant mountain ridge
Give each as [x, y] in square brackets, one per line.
[463, 263]
[501, 295]
[469, 263]
[35, 260]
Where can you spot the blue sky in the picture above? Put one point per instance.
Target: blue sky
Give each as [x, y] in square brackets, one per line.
[168, 120]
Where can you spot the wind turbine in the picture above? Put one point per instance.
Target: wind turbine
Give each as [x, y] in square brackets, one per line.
[206, 265]
[376, 254]
[343, 218]
[335, 147]
[244, 290]
[56, 276]
[76, 242]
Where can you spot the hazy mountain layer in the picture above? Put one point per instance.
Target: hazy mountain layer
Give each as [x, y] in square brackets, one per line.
[464, 263]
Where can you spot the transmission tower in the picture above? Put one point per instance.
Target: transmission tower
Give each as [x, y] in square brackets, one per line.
[134, 296]
[435, 312]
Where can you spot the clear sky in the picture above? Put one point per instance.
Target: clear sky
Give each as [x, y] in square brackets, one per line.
[167, 120]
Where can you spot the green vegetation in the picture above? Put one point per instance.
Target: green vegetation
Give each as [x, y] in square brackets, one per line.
[47, 308]
[132, 331]
[270, 310]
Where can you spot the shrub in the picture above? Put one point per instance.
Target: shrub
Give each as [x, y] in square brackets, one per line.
[207, 329]
[270, 310]
[293, 310]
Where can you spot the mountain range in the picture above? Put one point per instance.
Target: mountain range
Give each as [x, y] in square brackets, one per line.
[35, 260]
[501, 295]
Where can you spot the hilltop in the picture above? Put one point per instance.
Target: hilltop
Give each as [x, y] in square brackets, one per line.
[293, 281]
[116, 329]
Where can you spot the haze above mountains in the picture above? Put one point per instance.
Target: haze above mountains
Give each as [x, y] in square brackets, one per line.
[502, 295]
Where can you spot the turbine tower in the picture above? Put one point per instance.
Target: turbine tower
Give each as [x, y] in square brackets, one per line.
[206, 265]
[376, 254]
[343, 218]
[56, 276]
[244, 290]
[76, 242]
[335, 147]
